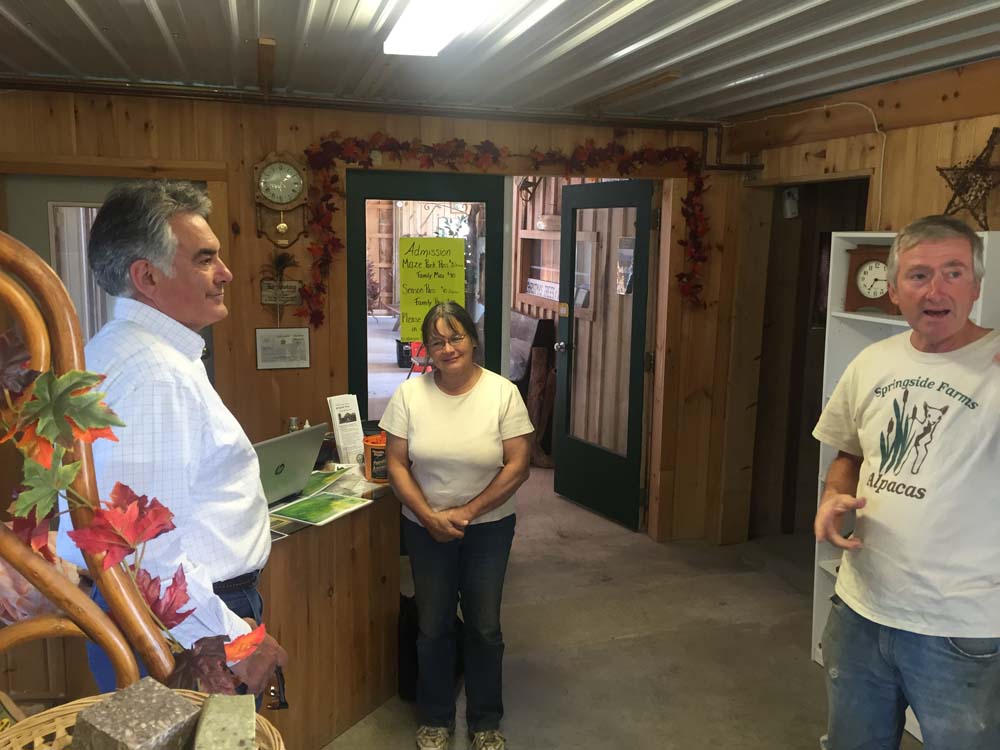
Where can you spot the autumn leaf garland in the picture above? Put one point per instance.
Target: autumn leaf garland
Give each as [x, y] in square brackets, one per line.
[454, 154]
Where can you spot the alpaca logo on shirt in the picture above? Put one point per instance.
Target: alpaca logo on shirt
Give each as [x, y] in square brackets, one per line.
[908, 437]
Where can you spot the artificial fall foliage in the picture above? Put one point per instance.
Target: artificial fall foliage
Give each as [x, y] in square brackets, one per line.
[166, 606]
[122, 525]
[34, 533]
[242, 647]
[203, 667]
[45, 415]
[326, 196]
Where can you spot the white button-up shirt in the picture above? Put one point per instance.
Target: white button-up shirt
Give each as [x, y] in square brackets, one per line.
[182, 446]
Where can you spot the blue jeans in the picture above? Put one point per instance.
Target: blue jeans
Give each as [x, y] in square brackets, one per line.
[247, 603]
[873, 672]
[471, 571]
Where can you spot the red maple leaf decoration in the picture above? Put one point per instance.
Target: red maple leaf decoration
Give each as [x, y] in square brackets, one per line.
[128, 521]
[242, 647]
[34, 533]
[165, 606]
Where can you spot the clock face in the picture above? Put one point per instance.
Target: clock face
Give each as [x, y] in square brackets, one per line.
[873, 279]
[280, 182]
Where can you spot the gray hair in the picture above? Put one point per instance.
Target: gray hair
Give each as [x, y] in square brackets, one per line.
[933, 229]
[132, 225]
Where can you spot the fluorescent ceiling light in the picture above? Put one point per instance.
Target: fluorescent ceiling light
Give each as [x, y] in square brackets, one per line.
[426, 27]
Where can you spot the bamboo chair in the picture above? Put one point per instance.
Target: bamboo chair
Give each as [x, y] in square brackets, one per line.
[32, 291]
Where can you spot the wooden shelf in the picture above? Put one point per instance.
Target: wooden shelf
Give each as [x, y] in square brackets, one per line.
[892, 320]
[539, 234]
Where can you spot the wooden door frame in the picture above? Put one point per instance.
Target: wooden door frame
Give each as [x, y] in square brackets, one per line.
[664, 409]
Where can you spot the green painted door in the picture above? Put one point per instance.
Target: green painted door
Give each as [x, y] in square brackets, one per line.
[484, 273]
[600, 347]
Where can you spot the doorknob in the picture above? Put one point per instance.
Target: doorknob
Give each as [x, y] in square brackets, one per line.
[559, 346]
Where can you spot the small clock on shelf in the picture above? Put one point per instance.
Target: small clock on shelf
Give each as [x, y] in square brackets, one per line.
[280, 193]
[868, 281]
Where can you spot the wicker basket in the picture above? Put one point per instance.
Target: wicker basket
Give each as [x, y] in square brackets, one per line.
[53, 729]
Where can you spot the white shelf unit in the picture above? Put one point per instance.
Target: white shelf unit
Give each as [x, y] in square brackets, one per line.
[847, 333]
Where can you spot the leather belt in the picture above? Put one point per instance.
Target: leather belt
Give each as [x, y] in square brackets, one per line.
[239, 583]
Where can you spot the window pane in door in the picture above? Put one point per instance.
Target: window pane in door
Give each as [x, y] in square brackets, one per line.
[601, 325]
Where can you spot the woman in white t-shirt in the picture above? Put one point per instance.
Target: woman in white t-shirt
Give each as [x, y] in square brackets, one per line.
[458, 449]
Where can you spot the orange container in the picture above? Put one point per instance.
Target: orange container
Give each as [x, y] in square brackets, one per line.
[376, 462]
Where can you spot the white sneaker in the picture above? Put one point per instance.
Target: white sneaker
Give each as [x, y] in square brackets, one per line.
[433, 738]
[490, 739]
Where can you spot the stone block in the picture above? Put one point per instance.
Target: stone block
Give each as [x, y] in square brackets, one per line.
[228, 722]
[144, 716]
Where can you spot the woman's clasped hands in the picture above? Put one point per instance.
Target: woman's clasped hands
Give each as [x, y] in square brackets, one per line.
[446, 525]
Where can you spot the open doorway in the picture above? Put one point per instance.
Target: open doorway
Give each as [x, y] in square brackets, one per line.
[394, 356]
[786, 456]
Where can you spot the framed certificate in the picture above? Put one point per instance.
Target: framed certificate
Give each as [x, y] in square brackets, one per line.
[282, 348]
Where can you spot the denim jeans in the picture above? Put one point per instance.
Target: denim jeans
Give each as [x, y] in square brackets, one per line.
[470, 571]
[873, 672]
[246, 603]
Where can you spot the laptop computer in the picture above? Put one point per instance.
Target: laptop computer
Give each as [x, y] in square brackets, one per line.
[287, 461]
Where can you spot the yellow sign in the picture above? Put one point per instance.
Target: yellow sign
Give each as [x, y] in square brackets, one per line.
[431, 270]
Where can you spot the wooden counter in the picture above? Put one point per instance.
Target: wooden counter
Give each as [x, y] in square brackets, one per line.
[331, 598]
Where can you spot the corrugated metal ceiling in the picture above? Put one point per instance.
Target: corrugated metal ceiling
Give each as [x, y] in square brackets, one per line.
[558, 58]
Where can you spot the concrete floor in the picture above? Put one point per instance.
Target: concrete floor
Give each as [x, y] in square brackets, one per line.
[384, 376]
[616, 642]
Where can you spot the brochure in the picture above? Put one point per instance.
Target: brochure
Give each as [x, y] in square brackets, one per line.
[321, 508]
[346, 419]
[320, 480]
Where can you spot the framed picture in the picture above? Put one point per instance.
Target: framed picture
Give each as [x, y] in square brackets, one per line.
[282, 348]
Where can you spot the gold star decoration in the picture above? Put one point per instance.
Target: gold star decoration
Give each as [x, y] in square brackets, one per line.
[972, 181]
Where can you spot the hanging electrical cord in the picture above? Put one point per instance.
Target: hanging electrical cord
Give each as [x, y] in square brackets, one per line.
[869, 110]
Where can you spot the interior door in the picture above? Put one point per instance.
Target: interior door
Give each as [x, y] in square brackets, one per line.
[600, 346]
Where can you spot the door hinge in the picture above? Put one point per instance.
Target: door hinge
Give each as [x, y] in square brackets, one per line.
[648, 361]
[656, 218]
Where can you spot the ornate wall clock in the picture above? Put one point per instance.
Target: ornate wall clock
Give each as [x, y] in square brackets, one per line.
[868, 281]
[280, 194]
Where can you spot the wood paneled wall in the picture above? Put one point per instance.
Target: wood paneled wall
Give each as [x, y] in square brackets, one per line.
[43, 131]
[92, 130]
[904, 182]
[907, 186]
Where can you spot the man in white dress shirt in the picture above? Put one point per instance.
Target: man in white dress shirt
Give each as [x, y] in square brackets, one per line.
[153, 250]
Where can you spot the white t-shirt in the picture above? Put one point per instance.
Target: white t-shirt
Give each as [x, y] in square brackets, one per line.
[928, 429]
[456, 442]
